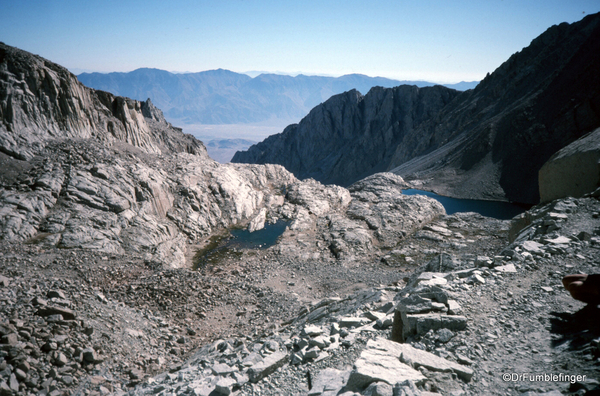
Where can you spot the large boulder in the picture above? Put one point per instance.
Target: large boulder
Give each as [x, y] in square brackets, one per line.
[573, 171]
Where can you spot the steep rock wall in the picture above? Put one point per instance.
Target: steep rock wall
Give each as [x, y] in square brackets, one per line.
[499, 135]
[350, 136]
[42, 101]
[486, 143]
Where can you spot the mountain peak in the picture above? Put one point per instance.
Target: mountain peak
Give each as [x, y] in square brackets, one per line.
[489, 142]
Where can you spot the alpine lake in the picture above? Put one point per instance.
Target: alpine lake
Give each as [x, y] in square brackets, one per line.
[234, 241]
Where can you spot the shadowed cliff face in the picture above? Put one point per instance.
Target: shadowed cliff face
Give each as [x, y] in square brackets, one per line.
[501, 133]
[486, 143]
[350, 136]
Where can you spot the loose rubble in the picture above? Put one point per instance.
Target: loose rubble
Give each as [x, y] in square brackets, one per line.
[367, 292]
[460, 334]
[132, 320]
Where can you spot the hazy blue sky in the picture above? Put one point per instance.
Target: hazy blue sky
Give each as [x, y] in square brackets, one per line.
[441, 41]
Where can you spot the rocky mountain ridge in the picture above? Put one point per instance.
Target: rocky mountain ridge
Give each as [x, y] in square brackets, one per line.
[486, 143]
[110, 174]
[91, 168]
[225, 97]
[350, 136]
[500, 135]
[42, 101]
[97, 294]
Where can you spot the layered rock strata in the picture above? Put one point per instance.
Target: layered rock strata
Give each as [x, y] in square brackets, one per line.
[41, 101]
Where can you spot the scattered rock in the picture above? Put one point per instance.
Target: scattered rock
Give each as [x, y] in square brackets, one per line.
[267, 366]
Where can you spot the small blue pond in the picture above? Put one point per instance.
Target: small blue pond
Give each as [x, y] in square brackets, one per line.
[495, 209]
[231, 244]
[261, 239]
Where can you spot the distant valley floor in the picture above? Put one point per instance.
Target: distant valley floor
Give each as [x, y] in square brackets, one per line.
[229, 138]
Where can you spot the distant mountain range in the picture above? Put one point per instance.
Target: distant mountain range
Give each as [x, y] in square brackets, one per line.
[222, 150]
[489, 142]
[225, 97]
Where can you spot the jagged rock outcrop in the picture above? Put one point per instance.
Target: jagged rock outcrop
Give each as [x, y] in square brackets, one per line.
[110, 174]
[492, 141]
[84, 195]
[42, 101]
[391, 216]
[85, 169]
[352, 223]
[350, 136]
[573, 171]
[486, 143]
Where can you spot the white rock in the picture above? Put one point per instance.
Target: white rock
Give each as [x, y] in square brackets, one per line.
[224, 385]
[374, 315]
[223, 369]
[329, 380]
[560, 240]
[319, 341]
[483, 261]
[434, 282]
[386, 322]
[440, 230]
[533, 247]
[258, 222]
[379, 389]
[353, 322]
[477, 279]
[312, 331]
[454, 308]
[417, 358]
[508, 268]
[380, 365]
[267, 366]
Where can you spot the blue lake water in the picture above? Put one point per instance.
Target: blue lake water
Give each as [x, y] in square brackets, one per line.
[261, 239]
[232, 243]
[495, 209]
[236, 240]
